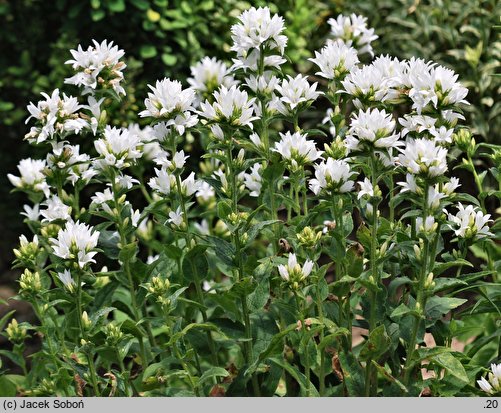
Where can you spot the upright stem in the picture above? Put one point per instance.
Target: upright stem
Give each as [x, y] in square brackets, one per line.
[321, 374]
[371, 373]
[240, 271]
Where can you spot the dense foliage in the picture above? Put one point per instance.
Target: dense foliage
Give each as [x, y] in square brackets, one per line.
[234, 236]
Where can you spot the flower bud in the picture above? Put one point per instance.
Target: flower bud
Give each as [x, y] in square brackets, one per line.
[30, 283]
[86, 323]
[15, 333]
[308, 238]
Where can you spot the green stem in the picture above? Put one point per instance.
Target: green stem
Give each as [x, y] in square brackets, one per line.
[321, 374]
[240, 272]
[478, 183]
[307, 369]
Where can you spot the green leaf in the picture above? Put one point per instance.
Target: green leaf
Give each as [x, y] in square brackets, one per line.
[376, 345]
[452, 365]
[307, 386]
[436, 306]
[441, 267]
[169, 59]
[212, 372]
[223, 249]
[5, 318]
[353, 374]
[195, 265]
[259, 297]
[9, 383]
[116, 6]
[130, 327]
[147, 51]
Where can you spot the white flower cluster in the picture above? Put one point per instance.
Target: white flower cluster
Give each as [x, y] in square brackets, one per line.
[76, 242]
[118, 148]
[353, 31]
[98, 67]
[208, 75]
[293, 272]
[469, 222]
[493, 385]
[54, 116]
[256, 34]
[168, 101]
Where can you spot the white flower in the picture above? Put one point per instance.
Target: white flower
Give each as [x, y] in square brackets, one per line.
[252, 62]
[163, 182]
[135, 215]
[293, 272]
[368, 84]
[208, 75]
[264, 84]
[296, 149]
[56, 210]
[333, 176]
[432, 84]
[124, 181]
[253, 181]
[97, 67]
[32, 213]
[493, 385]
[353, 31]
[423, 157]
[150, 147]
[451, 186]
[54, 116]
[335, 60]
[67, 280]
[231, 106]
[179, 160]
[94, 107]
[189, 186]
[75, 242]
[295, 94]
[434, 197]
[205, 192]
[169, 101]
[410, 184]
[416, 123]
[373, 127]
[429, 224]
[366, 188]
[203, 227]
[32, 177]
[176, 217]
[258, 29]
[469, 223]
[119, 148]
[101, 199]
[442, 135]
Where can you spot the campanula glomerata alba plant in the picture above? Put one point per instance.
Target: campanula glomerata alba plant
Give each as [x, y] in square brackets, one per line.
[259, 233]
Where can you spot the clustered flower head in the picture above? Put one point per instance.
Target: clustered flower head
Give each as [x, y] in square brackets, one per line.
[32, 176]
[294, 94]
[55, 116]
[76, 242]
[469, 222]
[293, 273]
[168, 101]
[296, 150]
[208, 75]
[374, 128]
[258, 32]
[118, 148]
[493, 384]
[335, 60]
[423, 157]
[231, 106]
[332, 176]
[353, 31]
[98, 67]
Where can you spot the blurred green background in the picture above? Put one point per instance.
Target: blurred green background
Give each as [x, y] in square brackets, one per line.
[164, 37]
